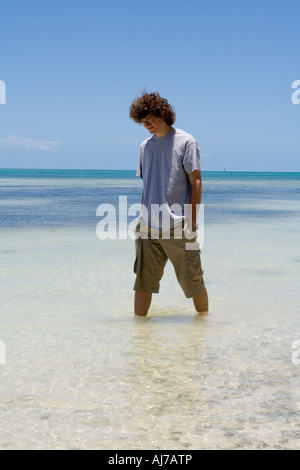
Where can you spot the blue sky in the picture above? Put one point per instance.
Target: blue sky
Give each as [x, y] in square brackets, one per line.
[72, 68]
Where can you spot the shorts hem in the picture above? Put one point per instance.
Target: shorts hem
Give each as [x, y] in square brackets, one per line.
[151, 290]
[191, 294]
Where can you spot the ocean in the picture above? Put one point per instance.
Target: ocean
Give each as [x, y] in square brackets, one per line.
[79, 371]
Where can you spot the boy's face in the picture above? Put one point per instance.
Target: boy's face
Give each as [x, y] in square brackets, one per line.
[155, 125]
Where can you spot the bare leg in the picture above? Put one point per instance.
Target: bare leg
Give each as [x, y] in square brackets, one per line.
[142, 302]
[201, 302]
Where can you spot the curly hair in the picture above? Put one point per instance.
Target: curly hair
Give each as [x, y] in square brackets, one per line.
[152, 103]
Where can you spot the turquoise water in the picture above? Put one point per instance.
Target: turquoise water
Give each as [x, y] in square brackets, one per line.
[70, 197]
[81, 372]
[59, 173]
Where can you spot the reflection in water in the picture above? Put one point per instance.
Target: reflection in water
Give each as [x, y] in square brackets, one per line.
[165, 363]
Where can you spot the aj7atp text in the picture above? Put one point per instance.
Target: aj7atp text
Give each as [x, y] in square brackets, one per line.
[157, 459]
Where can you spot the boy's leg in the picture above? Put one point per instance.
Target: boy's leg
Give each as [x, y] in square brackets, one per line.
[201, 302]
[142, 302]
[148, 267]
[188, 269]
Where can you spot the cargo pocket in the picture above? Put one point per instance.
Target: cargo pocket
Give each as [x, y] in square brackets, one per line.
[193, 268]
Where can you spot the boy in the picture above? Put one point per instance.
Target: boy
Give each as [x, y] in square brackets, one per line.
[169, 165]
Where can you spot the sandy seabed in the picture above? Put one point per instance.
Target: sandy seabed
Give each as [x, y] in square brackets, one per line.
[81, 372]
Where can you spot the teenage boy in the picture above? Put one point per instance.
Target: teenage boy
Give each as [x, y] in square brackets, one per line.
[169, 164]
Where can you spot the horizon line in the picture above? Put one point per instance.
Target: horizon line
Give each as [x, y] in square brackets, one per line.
[130, 169]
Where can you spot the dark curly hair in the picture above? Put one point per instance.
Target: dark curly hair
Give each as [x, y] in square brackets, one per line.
[152, 103]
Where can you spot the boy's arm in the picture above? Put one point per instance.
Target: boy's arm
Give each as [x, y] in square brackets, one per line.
[196, 193]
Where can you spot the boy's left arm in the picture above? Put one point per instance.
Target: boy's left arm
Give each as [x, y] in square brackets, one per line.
[196, 193]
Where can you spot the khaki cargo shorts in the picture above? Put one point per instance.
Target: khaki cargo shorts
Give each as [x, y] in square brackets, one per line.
[152, 255]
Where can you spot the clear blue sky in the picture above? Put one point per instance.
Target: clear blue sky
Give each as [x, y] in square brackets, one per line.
[72, 68]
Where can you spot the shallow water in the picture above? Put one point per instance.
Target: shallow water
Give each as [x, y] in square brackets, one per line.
[82, 373]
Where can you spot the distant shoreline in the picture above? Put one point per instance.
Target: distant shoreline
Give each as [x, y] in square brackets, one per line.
[131, 174]
[134, 170]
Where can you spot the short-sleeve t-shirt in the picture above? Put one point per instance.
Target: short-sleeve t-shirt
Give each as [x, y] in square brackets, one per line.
[164, 165]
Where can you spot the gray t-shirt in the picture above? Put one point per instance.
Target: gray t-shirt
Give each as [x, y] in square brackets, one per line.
[164, 165]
